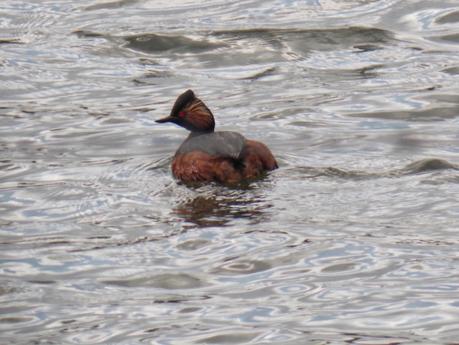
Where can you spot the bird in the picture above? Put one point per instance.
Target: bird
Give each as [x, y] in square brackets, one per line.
[207, 155]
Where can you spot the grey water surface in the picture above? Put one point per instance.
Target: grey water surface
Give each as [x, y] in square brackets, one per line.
[353, 240]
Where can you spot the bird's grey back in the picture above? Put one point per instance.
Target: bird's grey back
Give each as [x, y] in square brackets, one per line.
[221, 144]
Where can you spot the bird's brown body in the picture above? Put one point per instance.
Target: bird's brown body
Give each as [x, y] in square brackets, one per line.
[198, 166]
[206, 156]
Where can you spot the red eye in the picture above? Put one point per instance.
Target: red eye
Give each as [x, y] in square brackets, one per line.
[181, 114]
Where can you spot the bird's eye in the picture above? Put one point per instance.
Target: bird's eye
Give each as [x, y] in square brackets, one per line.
[181, 114]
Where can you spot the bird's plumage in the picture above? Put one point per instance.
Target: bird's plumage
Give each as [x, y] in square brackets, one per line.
[206, 155]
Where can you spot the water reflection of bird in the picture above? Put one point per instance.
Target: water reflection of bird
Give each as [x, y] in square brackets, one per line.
[206, 155]
[219, 210]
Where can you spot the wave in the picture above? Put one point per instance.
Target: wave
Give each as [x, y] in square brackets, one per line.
[414, 168]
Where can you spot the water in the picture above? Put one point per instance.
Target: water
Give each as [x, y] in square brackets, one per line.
[353, 240]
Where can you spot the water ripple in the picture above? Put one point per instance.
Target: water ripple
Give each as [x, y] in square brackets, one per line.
[352, 240]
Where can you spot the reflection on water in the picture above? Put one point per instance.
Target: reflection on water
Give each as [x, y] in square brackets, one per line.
[220, 207]
[352, 240]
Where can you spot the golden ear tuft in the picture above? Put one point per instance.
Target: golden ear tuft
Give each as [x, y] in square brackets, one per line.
[200, 116]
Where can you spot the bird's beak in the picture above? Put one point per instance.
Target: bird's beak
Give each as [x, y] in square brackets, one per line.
[166, 119]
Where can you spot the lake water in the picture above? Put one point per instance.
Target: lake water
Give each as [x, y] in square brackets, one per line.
[353, 240]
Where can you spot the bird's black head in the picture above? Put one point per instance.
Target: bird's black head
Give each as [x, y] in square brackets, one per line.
[191, 113]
